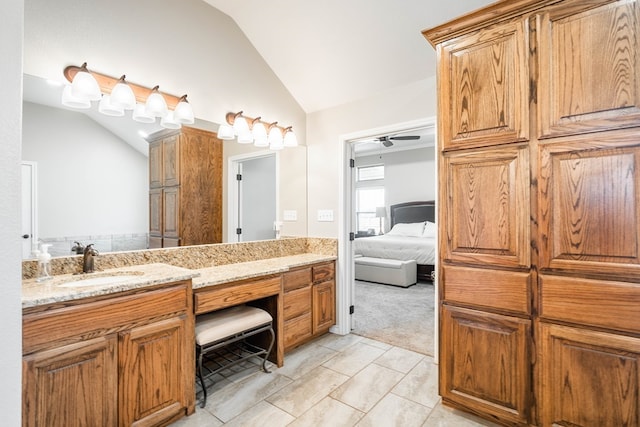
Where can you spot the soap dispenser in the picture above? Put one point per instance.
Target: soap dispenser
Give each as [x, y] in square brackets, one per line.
[44, 257]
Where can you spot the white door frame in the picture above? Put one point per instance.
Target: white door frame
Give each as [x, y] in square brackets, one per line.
[232, 188]
[33, 204]
[345, 250]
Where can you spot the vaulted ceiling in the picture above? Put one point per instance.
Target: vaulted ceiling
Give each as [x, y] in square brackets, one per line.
[332, 52]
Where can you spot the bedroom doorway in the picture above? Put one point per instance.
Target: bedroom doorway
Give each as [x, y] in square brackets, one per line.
[410, 318]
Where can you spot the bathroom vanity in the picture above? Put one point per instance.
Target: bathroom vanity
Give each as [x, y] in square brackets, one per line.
[117, 347]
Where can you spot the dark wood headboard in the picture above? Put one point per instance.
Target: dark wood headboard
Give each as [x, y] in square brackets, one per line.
[410, 212]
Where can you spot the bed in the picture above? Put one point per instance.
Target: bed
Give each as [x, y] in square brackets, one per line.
[407, 245]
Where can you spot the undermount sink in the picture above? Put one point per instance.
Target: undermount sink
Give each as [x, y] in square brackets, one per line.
[101, 280]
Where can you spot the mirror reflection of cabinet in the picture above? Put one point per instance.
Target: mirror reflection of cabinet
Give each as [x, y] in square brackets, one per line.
[185, 188]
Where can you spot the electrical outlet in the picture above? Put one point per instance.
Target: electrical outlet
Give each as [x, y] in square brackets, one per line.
[325, 215]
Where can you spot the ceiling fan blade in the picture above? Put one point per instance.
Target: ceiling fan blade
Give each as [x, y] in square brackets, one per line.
[405, 138]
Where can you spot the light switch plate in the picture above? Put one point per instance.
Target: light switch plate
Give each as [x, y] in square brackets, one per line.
[291, 215]
[325, 215]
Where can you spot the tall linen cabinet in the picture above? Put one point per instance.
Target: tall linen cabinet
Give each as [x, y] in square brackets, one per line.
[539, 212]
[185, 188]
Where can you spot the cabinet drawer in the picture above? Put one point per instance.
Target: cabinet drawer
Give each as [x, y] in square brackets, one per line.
[606, 304]
[323, 272]
[297, 330]
[76, 322]
[297, 302]
[501, 290]
[296, 279]
[231, 294]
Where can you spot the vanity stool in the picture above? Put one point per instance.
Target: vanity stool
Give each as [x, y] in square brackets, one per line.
[221, 339]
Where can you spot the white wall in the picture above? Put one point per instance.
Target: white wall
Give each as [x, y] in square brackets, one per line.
[184, 46]
[90, 182]
[10, 249]
[325, 128]
[409, 175]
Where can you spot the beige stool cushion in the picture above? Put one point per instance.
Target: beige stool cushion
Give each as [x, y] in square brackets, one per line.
[221, 324]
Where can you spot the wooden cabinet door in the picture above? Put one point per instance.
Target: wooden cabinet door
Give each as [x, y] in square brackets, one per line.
[485, 363]
[589, 75]
[155, 164]
[171, 161]
[151, 363]
[171, 217]
[484, 82]
[155, 212]
[485, 215]
[589, 378]
[589, 205]
[72, 386]
[324, 306]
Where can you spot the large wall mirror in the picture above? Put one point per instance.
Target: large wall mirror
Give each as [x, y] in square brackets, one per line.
[91, 181]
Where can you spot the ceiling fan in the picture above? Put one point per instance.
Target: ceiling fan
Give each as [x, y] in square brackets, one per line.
[387, 141]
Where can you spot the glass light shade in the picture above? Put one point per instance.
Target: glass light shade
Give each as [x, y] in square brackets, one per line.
[140, 114]
[85, 86]
[261, 142]
[290, 139]
[156, 105]
[245, 137]
[240, 125]
[259, 131]
[169, 121]
[275, 139]
[225, 132]
[184, 113]
[68, 100]
[122, 96]
[108, 109]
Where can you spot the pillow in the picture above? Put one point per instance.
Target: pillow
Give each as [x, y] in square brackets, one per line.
[430, 229]
[409, 230]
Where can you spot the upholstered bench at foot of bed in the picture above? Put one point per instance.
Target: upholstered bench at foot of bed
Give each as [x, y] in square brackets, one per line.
[387, 271]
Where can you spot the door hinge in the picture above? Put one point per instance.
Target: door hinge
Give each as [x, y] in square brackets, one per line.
[352, 309]
[239, 177]
[352, 236]
[238, 230]
[352, 163]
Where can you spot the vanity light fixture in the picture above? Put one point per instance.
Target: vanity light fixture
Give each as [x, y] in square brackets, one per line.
[262, 134]
[117, 95]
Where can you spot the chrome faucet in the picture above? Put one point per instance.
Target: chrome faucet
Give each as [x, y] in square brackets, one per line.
[88, 259]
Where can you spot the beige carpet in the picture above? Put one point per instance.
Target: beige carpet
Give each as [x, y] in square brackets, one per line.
[402, 317]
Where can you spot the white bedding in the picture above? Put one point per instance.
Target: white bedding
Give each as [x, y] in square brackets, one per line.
[422, 249]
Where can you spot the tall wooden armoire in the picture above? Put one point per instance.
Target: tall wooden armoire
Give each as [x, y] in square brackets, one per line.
[539, 212]
[185, 188]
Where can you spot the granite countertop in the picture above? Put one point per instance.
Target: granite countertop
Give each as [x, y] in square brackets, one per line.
[61, 288]
[57, 289]
[217, 275]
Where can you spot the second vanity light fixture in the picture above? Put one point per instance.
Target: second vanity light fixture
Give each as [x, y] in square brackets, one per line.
[262, 134]
[117, 95]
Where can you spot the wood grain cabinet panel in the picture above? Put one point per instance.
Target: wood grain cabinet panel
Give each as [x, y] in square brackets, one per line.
[155, 212]
[485, 362]
[589, 378]
[187, 167]
[72, 385]
[151, 372]
[488, 190]
[121, 360]
[309, 303]
[589, 78]
[589, 207]
[485, 77]
[171, 161]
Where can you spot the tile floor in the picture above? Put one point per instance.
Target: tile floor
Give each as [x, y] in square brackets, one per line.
[333, 381]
